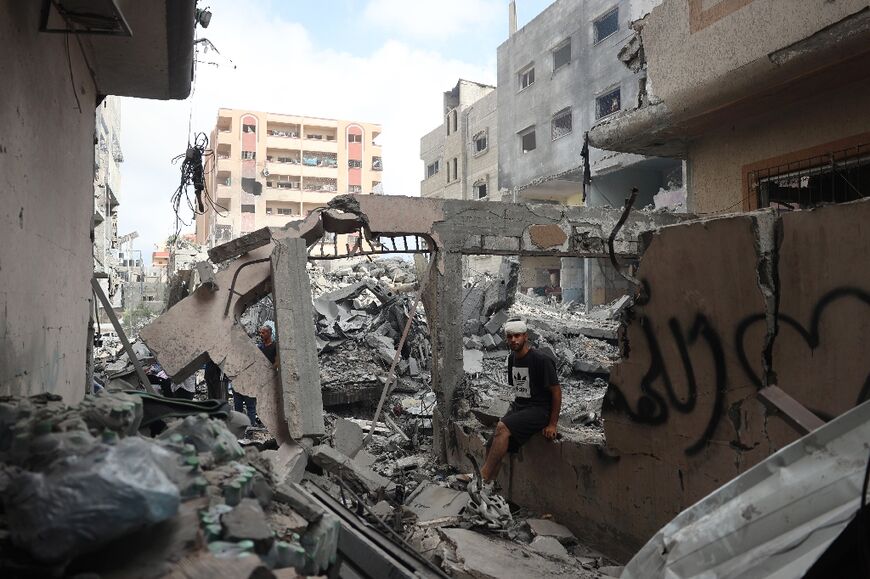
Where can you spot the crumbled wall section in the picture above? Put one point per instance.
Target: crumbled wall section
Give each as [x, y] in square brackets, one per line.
[733, 304]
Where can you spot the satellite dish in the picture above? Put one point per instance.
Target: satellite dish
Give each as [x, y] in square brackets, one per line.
[265, 172]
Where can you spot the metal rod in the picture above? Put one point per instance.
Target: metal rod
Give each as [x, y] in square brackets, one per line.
[232, 289]
[143, 379]
[629, 203]
[392, 373]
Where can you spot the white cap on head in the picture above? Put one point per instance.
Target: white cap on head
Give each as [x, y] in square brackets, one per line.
[515, 327]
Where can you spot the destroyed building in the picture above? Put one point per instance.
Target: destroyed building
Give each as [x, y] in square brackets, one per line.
[762, 101]
[714, 420]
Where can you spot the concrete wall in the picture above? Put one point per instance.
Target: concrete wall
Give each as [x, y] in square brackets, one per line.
[686, 42]
[46, 179]
[719, 160]
[734, 304]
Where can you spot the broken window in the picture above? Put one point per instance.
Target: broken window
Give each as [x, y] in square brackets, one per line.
[480, 142]
[562, 55]
[249, 128]
[377, 164]
[354, 189]
[433, 168]
[834, 177]
[607, 104]
[606, 25]
[354, 164]
[248, 155]
[562, 124]
[527, 77]
[248, 208]
[480, 191]
[527, 139]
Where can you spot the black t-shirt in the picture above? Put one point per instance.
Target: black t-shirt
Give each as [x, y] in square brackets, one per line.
[270, 351]
[531, 377]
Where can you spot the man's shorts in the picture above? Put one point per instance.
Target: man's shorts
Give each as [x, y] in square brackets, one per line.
[524, 422]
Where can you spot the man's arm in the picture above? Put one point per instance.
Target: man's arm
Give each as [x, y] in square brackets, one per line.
[556, 393]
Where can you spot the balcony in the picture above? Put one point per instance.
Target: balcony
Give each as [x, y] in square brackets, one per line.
[224, 138]
[291, 169]
[282, 195]
[281, 142]
[227, 164]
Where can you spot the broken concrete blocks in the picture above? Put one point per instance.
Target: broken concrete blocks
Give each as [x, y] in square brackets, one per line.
[363, 479]
[550, 528]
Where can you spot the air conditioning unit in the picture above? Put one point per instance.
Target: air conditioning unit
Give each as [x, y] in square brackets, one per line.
[266, 172]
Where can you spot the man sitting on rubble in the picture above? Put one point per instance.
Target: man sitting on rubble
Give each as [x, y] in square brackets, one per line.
[537, 399]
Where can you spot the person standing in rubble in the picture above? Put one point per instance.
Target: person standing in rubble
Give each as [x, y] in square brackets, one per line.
[269, 348]
[537, 399]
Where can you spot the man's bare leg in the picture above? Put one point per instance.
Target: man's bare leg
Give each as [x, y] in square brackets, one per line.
[497, 450]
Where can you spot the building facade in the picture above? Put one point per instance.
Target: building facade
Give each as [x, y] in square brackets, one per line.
[460, 156]
[107, 190]
[271, 168]
[767, 104]
[557, 77]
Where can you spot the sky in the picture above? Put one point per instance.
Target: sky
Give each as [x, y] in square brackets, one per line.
[378, 61]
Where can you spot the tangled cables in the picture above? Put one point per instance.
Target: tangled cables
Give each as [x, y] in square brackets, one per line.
[193, 174]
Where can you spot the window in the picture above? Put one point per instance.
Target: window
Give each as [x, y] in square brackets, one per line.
[451, 121]
[268, 211]
[354, 164]
[455, 163]
[480, 142]
[562, 56]
[354, 138]
[314, 136]
[354, 189]
[248, 155]
[377, 164]
[527, 140]
[607, 104]
[562, 123]
[606, 25]
[836, 176]
[249, 128]
[480, 191]
[285, 211]
[527, 77]
[248, 208]
[270, 184]
[433, 168]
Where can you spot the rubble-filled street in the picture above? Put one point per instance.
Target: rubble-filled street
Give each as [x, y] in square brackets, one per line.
[409, 290]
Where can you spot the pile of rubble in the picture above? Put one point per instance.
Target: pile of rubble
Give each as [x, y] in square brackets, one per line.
[88, 490]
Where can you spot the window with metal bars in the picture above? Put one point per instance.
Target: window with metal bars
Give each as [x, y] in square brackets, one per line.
[835, 177]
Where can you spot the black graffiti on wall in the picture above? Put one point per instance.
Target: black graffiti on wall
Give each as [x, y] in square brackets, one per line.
[656, 406]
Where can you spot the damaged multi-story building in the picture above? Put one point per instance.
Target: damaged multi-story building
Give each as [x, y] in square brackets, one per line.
[107, 194]
[271, 168]
[763, 102]
[557, 76]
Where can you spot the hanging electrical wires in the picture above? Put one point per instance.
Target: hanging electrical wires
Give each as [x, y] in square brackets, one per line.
[193, 175]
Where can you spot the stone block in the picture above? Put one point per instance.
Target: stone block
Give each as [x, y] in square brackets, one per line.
[348, 437]
[472, 361]
[288, 462]
[496, 322]
[501, 243]
[362, 478]
[247, 521]
[548, 546]
[432, 502]
[550, 528]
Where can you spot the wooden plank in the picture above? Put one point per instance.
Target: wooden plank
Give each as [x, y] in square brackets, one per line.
[791, 410]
